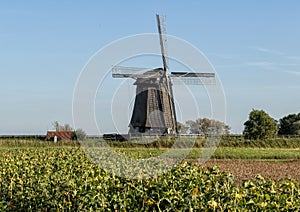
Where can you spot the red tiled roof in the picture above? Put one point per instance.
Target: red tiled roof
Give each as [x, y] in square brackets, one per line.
[61, 135]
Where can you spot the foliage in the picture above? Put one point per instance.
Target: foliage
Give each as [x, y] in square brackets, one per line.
[80, 134]
[64, 179]
[273, 154]
[278, 142]
[204, 126]
[14, 143]
[182, 128]
[199, 142]
[260, 126]
[58, 127]
[289, 125]
[165, 142]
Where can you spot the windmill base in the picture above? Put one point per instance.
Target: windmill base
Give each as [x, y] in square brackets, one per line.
[144, 131]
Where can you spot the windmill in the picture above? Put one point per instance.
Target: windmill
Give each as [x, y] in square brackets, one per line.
[154, 108]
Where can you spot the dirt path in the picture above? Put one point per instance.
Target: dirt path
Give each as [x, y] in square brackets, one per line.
[243, 170]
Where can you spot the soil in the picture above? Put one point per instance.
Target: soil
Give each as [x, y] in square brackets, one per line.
[244, 169]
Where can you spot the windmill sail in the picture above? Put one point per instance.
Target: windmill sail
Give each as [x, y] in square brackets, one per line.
[163, 39]
[154, 109]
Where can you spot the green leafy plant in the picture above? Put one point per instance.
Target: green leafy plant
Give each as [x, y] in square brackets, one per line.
[57, 178]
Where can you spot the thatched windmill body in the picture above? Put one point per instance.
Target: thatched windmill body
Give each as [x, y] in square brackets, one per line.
[154, 108]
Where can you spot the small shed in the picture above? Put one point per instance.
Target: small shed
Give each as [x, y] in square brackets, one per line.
[60, 135]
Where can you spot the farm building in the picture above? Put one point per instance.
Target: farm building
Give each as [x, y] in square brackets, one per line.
[60, 135]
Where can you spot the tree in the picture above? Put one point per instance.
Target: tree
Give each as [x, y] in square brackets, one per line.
[206, 126]
[296, 128]
[80, 134]
[289, 125]
[56, 126]
[260, 126]
[59, 127]
[67, 127]
[192, 127]
[182, 128]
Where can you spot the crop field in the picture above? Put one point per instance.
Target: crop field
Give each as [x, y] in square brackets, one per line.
[48, 177]
[221, 153]
[247, 169]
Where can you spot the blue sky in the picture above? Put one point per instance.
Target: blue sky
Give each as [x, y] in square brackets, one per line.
[254, 47]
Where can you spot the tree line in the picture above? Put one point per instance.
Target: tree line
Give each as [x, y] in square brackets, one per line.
[259, 125]
[203, 126]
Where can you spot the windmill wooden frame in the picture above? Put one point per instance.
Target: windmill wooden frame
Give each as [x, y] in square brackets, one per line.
[154, 109]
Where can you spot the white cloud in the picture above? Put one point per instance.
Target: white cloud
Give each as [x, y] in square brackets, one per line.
[223, 56]
[270, 51]
[271, 65]
[293, 57]
[297, 73]
[262, 64]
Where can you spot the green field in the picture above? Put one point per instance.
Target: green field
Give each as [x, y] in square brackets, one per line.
[228, 148]
[279, 150]
[47, 176]
[221, 153]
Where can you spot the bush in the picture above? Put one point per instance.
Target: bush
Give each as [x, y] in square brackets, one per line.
[80, 134]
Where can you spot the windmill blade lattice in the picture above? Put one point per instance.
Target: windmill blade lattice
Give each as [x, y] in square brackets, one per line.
[161, 24]
[154, 109]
